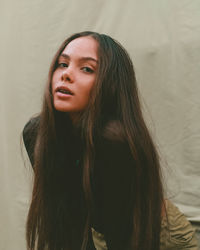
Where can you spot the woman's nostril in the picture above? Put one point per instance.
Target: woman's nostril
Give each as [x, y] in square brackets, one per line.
[65, 77]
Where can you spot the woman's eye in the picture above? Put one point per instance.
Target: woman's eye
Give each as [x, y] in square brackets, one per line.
[87, 70]
[63, 65]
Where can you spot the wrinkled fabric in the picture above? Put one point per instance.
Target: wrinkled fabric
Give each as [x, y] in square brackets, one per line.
[196, 226]
[177, 232]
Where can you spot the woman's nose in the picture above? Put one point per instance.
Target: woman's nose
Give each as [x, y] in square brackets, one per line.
[67, 75]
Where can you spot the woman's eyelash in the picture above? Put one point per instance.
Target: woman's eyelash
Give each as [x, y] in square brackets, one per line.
[84, 69]
[87, 69]
[62, 65]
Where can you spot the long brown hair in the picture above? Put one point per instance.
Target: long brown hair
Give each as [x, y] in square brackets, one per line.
[53, 223]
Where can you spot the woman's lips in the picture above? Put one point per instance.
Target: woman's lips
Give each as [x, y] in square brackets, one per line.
[64, 95]
[64, 91]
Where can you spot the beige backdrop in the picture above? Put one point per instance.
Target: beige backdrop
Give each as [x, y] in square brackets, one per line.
[163, 39]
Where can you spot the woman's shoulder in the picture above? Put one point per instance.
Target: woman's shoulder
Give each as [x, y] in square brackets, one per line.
[31, 125]
[176, 231]
[29, 135]
[113, 152]
[112, 139]
[114, 131]
[30, 129]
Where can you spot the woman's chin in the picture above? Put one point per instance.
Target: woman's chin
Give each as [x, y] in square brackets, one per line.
[62, 107]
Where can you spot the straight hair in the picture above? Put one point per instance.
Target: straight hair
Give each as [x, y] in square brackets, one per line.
[52, 223]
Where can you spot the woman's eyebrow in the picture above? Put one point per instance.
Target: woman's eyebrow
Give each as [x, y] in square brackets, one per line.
[65, 56]
[84, 58]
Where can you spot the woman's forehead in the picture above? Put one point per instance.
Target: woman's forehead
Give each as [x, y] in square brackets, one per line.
[82, 47]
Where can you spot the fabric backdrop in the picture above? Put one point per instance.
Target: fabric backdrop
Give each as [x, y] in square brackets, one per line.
[163, 39]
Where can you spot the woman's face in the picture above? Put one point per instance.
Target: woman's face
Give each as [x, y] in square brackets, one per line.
[75, 75]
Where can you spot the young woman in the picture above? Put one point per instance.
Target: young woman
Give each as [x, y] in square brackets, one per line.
[96, 169]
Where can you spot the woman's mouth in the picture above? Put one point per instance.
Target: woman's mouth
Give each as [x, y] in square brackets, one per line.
[64, 91]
